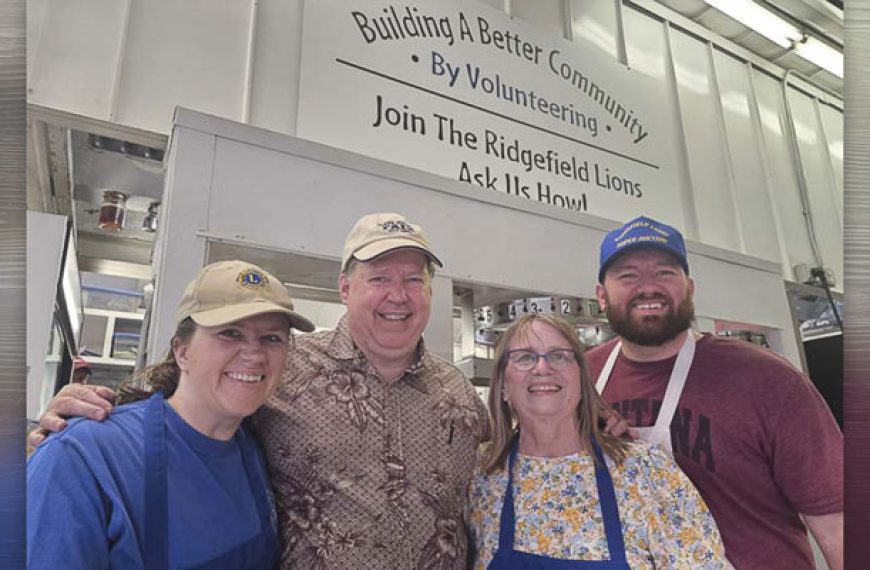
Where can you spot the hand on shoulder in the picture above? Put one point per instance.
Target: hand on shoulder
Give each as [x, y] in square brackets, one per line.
[73, 400]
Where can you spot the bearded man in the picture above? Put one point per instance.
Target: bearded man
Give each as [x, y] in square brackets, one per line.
[750, 431]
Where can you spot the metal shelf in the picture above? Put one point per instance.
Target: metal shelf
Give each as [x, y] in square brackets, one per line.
[104, 326]
[110, 362]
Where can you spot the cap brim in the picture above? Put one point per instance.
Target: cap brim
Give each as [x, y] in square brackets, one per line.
[379, 248]
[232, 313]
[684, 263]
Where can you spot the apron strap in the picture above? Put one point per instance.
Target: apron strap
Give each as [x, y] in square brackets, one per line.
[609, 507]
[506, 522]
[604, 375]
[156, 547]
[257, 480]
[676, 381]
[606, 498]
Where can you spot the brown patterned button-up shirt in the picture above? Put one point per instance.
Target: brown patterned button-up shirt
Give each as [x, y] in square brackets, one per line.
[369, 474]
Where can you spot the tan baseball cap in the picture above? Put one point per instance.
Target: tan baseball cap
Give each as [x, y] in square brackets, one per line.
[228, 291]
[376, 234]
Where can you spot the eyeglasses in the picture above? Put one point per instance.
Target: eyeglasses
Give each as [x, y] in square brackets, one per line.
[525, 359]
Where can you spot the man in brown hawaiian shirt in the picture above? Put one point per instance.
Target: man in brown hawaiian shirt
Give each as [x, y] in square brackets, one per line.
[371, 439]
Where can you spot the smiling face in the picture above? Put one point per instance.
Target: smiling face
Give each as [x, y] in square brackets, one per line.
[543, 393]
[647, 297]
[228, 371]
[388, 303]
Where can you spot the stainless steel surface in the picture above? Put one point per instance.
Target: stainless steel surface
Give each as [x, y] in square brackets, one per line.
[68, 174]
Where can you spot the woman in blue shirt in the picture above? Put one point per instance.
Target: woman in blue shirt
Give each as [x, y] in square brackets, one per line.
[175, 480]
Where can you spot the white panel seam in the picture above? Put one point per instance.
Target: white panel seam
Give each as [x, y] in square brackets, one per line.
[294, 117]
[823, 135]
[690, 213]
[212, 168]
[763, 150]
[621, 50]
[249, 64]
[806, 208]
[119, 60]
[33, 49]
[725, 146]
[567, 20]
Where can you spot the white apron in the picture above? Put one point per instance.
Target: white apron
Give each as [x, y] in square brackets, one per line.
[660, 433]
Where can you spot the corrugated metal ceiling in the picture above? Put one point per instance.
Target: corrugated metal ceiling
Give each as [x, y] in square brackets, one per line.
[820, 18]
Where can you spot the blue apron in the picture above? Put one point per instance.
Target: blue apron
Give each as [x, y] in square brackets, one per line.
[506, 558]
[258, 552]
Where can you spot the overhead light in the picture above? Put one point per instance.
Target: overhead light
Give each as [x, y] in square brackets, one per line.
[782, 33]
[821, 54]
[761, 20]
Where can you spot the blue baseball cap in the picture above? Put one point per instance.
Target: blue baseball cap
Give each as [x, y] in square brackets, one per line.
[641, 232]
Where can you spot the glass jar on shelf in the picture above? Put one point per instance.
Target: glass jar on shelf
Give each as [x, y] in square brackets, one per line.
[113, 210]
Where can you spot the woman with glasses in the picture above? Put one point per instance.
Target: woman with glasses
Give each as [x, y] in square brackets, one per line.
[555, 491]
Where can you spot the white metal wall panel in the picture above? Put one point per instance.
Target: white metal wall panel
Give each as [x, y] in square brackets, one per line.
[646, 52]
[76, 56]
[545, 15]
[495, 3]
[275, 88]
[192, 53]
[820, 184]
[596, 23]
[184, 210]
[750, 182]
[645, 46]
[702, 125]
[783, 172]
[832, 127]
[36, 16]
[340, 195]
[743, 285]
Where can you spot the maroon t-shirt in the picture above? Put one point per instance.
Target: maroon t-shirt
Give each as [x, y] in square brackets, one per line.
[754, 436]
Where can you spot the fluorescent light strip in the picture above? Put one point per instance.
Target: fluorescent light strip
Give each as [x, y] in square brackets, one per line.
[821, 54]
[759, 19]
[782, 33]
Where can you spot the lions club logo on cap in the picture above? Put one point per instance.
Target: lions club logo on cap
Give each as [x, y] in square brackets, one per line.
[393, 226]
[252, 278]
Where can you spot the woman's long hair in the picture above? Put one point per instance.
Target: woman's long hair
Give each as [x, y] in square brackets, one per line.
[161, 376]
[503, 417]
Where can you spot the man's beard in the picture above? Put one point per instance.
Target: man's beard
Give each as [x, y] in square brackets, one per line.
[650, 330]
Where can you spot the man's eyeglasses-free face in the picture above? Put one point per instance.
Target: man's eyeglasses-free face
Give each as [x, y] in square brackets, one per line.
[526, 359]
